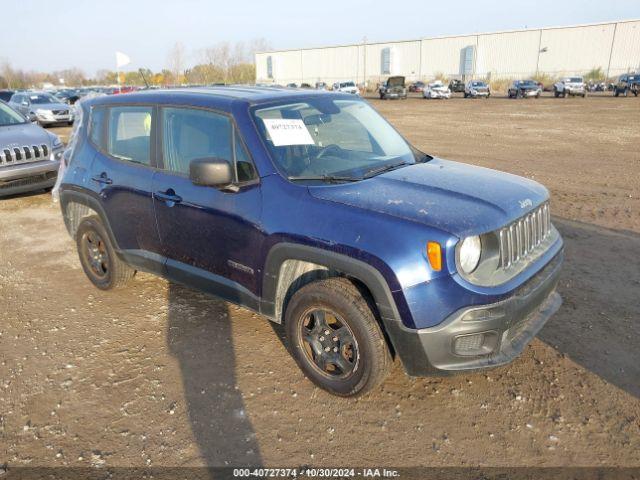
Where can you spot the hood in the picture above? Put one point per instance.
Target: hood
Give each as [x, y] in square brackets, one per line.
[23, 134]
[395, 82]
[50, 106]
[453, 197]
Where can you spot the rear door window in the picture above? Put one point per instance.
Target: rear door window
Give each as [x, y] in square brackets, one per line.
[129, 136]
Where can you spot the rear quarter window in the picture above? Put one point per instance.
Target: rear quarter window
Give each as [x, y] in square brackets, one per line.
[97, 130]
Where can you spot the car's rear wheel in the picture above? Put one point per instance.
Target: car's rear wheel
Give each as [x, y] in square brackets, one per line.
[335, 338]
[98, 258]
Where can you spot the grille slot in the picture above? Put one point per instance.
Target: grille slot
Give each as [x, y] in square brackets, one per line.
[519, 239]
[15, 155]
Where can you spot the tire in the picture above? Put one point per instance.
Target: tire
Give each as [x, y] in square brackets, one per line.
[557, 94]
[353, 357]
[70, 123]
[616, 92]
[98, 258]
[465, 95]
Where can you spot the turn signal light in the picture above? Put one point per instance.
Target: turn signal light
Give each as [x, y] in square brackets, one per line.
[435, 255]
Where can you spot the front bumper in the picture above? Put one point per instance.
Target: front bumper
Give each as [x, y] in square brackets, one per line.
[395, 94]
[53, 121]
[484, 93]
[437, 95]
[505, 327]
[26, 177]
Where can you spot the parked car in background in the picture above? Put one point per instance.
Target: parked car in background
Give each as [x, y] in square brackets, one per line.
[417, 87]
[456, 86]
[321, 86]
[627, 83]
[445, 266]
[292, 85]
[393, 87]
[346, 87]
[524, 89]
[572, 86]
[69, 97]
[436, 89]
[29, 155]
[47, 109]
[5, 95]
[477, 88]
[305, 85]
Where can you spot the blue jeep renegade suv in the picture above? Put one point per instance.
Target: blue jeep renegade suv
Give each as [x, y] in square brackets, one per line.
[309, 208]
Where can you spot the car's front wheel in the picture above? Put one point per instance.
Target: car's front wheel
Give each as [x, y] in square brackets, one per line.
[98, 258]
[335, 338]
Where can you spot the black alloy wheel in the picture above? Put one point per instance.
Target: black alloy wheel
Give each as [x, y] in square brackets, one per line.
[329, 343]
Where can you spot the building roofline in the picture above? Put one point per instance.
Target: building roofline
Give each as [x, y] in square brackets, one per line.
[442, 37]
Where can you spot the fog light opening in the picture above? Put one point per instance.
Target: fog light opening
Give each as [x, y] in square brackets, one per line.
[475, 344]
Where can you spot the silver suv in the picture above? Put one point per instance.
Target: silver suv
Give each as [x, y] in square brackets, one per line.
[572, 86]
[29, 155]
[47, 109]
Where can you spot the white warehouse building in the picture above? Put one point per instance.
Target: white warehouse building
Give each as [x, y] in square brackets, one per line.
[613, 47]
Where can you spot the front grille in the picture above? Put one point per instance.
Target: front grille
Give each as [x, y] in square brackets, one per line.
[61, 112]
[520, 239]
[32, 153]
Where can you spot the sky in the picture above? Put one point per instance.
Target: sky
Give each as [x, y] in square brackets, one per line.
[61, 34]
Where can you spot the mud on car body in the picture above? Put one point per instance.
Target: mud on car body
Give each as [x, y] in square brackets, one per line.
[309, 208]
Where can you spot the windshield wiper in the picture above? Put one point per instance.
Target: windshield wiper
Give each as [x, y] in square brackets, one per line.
[326, 178]
[377, 171]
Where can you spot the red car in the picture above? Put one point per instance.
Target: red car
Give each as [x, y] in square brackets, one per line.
[416, 87]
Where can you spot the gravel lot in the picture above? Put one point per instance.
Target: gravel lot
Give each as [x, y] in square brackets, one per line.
[159, 375]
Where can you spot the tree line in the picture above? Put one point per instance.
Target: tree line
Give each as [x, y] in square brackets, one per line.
[223, 62]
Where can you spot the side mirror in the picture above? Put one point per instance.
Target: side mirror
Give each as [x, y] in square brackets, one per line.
[210, 172]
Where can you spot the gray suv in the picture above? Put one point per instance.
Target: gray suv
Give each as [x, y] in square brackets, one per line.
[47, 109]
[29, 155]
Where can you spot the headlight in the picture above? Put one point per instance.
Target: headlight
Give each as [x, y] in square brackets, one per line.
[56, 143]
[469, 254]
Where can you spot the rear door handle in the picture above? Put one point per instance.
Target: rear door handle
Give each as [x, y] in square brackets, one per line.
[169, 196]
[102, 178]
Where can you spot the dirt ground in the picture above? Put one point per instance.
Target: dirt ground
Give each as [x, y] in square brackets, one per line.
[160, 375]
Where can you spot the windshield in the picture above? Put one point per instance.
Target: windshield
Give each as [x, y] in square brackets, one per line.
[575, 79]
[8, 116]
[42, 98]
[324, 137]
[528, 82]
[477, 84]
[347, 84]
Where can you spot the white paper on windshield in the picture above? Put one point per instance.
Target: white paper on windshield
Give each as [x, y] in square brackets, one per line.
[288, 132]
